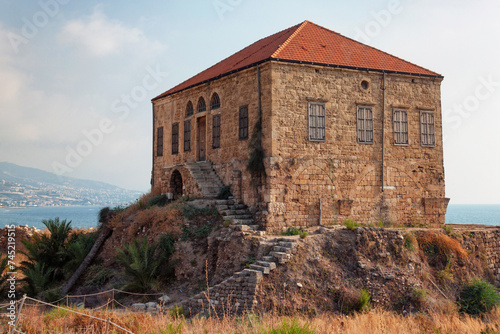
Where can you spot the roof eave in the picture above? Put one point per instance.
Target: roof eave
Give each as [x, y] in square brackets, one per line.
[439, 76]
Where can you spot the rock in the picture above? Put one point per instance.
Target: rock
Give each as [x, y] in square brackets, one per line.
[361, 264]
[389, 277]
[80, 305]
[164, 299]
[410, 267]
[300, 285]
[151, 305]
[139, 306]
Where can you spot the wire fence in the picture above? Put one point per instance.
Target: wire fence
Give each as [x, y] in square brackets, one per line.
[32, 302]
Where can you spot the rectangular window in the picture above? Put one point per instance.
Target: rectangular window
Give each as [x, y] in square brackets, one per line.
[159, 141]
[187, 135]
[175, 138]
[400, 127]
[365, 125]
[427, 134]
[317, 121]
[243, 123]
[216, 131]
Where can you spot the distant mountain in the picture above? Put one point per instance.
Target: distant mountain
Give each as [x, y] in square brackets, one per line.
[26, 186]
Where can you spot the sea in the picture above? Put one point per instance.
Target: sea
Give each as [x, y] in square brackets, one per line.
[87, 216]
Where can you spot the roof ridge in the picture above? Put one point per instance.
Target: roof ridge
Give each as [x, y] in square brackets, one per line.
[295, 33]
[373, 48]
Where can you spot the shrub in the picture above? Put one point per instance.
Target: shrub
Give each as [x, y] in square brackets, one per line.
[191, 212]
[291, 328]
[97, 275]
[351, 301]
[3, 270]
[158, 200]
[295, 231]
[410, 242]
[350, 224]
[440, 248]
[478, 297]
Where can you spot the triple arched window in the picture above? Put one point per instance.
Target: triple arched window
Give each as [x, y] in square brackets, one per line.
[202, 106]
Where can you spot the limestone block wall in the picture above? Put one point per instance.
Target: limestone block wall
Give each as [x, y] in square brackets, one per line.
[344, 175]
[487, 242]
[167, 184]
[236, 90]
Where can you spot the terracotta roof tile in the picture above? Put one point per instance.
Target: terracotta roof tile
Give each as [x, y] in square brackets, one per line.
[308, 43]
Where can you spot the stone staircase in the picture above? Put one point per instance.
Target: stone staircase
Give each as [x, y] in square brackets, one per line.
[206, 178]
[238, 215]
[238, 293]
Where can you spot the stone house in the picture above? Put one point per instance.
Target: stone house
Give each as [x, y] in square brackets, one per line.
[347, 132]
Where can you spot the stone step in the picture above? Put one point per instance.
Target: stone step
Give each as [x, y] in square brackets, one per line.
[269, 264]
[288, 244]
[224, 202]
[222, 208]
[238, 221]
[280, 257]
[240, 227]
[234, 212]
[265, 270]
[240, 217]
[282, 249]
[269, 258]
[255, 227]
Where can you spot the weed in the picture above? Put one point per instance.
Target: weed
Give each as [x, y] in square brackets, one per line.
[295, 231]
[176, 312]
[196, 233]
[410, 242]
[364, 300]
[447, 229]
[350, 224]
[478, 297]
[158, 200]
[292, 327]
[227, 222]
[191, 212]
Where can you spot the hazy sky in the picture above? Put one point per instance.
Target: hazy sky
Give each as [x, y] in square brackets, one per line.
[77, 76]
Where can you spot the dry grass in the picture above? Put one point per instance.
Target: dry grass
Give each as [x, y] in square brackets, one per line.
[373, 322]
[441, 248]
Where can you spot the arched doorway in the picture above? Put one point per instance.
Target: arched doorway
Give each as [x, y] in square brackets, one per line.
[176, 184]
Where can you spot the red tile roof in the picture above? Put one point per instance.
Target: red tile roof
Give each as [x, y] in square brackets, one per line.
[306, 43]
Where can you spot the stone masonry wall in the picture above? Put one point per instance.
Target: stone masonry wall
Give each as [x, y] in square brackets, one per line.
[345, 175]
[487, 242]
[234, 91]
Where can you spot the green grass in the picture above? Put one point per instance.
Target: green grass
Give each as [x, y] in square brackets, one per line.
[295, 231]
[292, 327]
[350, 224]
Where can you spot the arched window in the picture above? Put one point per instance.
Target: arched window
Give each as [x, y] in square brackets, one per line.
[215, 103]
[189, 109]
[201, 105]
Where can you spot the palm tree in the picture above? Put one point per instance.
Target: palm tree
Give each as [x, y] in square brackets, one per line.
[140, 264]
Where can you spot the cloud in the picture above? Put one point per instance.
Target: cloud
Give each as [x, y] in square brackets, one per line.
[11, 77]
[100, 36]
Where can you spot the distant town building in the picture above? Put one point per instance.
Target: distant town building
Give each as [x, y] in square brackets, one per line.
[347, 132]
